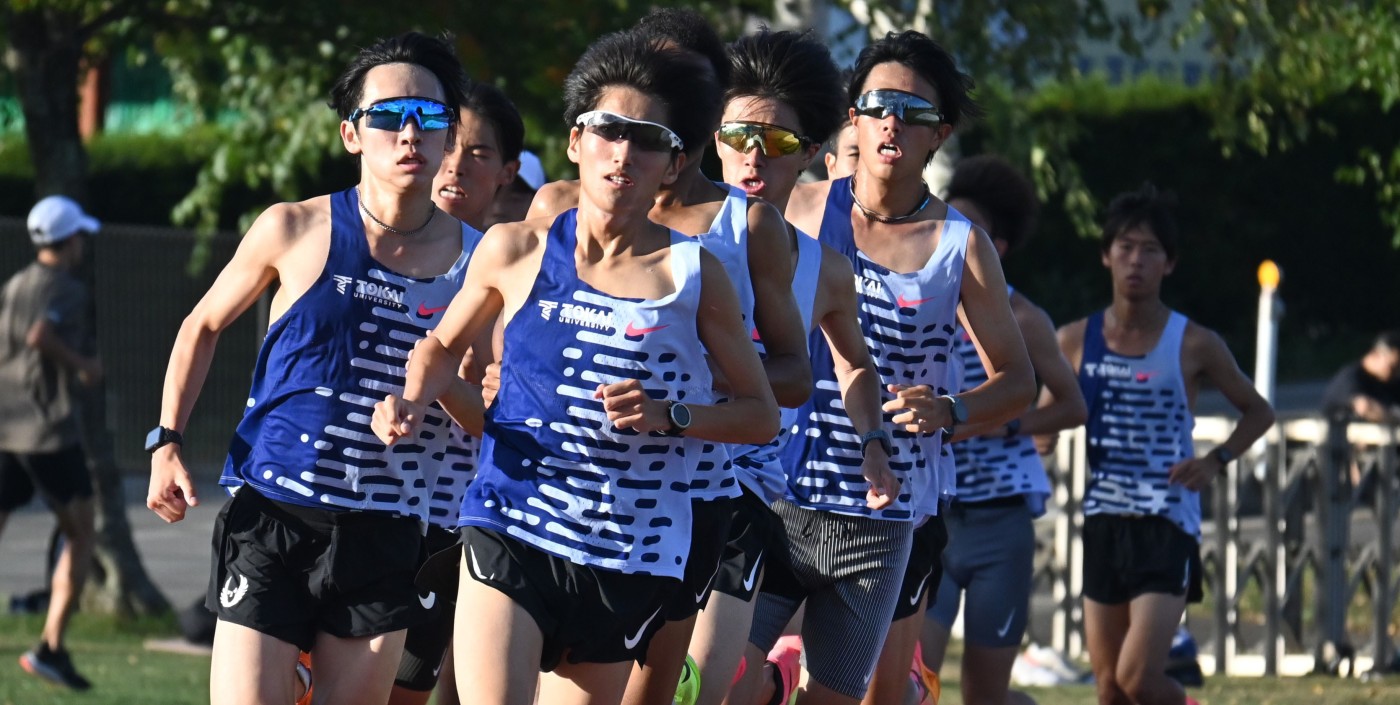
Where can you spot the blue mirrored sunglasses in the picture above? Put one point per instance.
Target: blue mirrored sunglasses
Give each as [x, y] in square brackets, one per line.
[393, 114]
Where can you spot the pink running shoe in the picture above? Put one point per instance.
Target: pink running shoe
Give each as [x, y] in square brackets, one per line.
[785, 657]
[924, 681]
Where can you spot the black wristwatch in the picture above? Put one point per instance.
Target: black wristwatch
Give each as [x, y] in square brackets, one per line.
[679, 414]
[1223, 456]
[879, 435]
[958, 412]
[160, 436]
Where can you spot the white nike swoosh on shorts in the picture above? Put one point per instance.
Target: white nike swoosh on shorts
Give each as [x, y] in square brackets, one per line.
[632, 641]
[753, 573]
[922, 585]
[1007, 627]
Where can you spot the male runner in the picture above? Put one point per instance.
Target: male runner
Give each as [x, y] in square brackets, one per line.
[784, 93]
[1001, 484]
[318, 549]
[841, 160]
[576, 527]
[1140, 365]
[751, 240]
[490, 135]
[910, 254]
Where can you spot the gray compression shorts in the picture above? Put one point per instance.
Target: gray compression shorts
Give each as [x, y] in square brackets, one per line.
[990, 555]
[848, 569]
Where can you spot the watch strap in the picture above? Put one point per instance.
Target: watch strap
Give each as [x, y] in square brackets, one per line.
[879, 435]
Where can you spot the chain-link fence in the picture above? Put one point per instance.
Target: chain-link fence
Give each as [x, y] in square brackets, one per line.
[143, 292]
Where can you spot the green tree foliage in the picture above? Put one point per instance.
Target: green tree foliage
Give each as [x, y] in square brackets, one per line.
[263, 68]
[1278, 63]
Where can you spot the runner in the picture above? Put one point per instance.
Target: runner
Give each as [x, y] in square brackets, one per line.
[486, 156]
[1140, 365]
[360, 276]
[751, 239]
[910, 252]
[577, 526]
[841, 160]
[1001, 484]
[784, 91]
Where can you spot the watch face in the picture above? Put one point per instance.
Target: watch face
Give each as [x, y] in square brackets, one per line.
[959, 410]
[152, 438]
[680, 415]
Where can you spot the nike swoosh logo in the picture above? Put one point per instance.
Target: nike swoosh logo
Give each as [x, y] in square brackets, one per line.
[911, 303]
[753, 573]
[423, 310]
[1007, 627]
[633, 330]
[922, 584]
[475, 566]
[429, 601]
[632, 641]
[753, 334]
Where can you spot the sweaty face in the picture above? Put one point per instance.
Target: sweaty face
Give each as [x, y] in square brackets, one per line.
[407, 157]
[890, 146]
[617, 172]
[768, 177]
[1138, 263]
[471, 173]
[841, 162]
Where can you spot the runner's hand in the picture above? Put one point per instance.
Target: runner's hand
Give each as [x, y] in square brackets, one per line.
[884, 486]
[490, 383]
[1195, 474]
[916, 408]
[396, 418]
[171, 492]
[629, 406]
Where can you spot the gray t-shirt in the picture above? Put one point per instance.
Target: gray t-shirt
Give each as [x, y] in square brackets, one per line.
[36, 396]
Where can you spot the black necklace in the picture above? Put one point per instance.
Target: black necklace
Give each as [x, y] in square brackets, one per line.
[390, 228]
[882, 218]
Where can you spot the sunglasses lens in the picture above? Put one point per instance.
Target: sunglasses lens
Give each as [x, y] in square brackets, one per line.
[908, 108]
[773, 141]
[393, 115]
[616, 128]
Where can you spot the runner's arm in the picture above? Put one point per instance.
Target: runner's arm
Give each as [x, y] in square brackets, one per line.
[751, 414]
[1010, 385]
[1065, 407]
[251, 270]
[775, 312]
[855, 371]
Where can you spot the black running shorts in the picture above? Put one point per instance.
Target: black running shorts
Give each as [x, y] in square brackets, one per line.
[426, 642]
[925, 568]
[1128, 556]
[593, 615]
[290, 571]
[755, 533]
[709, 534]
